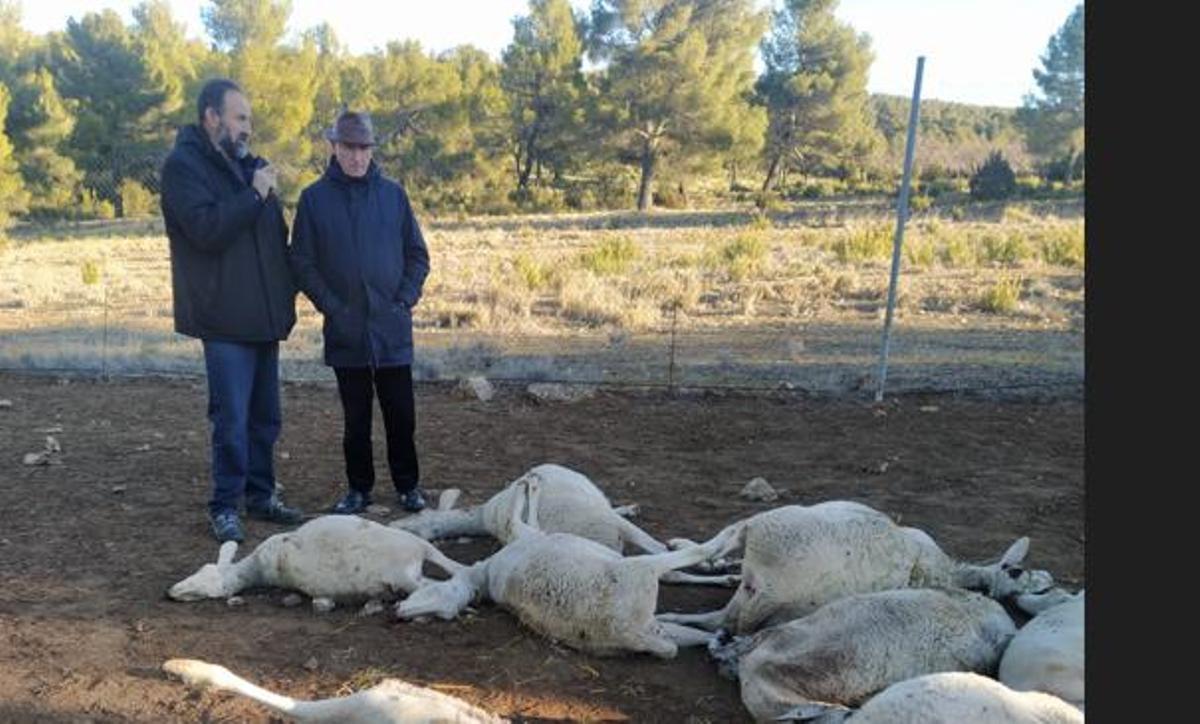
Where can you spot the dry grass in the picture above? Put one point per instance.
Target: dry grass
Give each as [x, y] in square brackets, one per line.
[534, 279]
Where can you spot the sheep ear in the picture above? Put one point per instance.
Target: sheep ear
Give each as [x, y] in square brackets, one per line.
[448, 498]
[1016, 552]
[227, 552]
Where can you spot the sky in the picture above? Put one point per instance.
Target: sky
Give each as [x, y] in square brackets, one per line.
[976, 51]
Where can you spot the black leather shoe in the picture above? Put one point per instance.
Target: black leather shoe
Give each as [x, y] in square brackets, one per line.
[275, 512]
[413, 501]
[352, 503]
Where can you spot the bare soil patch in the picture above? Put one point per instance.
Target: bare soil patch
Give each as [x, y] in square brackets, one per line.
[89, 545]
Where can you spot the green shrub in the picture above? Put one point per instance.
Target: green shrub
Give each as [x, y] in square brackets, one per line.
[137, 200]
[1063, 245]
[611, 256]
[1002, 297]
[919, 203]
[919, 252]
[1008, 248]
[873, 241]
[89, 271]
[744, 255]
[534, 275]
[957, 251]
[994, 179]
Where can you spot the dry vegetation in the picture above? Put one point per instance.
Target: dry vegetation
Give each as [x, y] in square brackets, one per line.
[526, 286]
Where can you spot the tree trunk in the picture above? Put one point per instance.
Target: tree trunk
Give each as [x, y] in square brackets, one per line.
[649, 160]
[772, 172]
[523, 178]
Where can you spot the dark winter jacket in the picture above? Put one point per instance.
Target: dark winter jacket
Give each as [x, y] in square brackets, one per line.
[358, 253]
[229, 272]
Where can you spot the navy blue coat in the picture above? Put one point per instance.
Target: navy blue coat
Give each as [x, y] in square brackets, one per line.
[229, 268]
[358, 253]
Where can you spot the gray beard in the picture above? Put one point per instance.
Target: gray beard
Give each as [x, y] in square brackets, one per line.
[236, 150]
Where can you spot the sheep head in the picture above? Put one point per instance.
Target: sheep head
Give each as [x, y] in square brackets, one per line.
[213, 580]
[1009, 578]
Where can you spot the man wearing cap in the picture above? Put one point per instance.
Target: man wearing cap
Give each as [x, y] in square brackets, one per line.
[232, 289]
[358, 254]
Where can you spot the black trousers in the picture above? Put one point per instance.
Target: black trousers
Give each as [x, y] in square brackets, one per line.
[358, 386]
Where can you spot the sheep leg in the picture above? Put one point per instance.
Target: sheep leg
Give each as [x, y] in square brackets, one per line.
[627, 511]
[661, 646]
[638, 538]
[530, 501]
[199, 674]
[439, 559]
[728, 581]
[710, 621]
[685, 635]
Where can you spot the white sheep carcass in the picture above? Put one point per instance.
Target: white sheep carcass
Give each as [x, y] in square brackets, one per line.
[334, 557]
[570, 503]
[569, 588]
[1047, 654]
[391, 701]
[851, 648]
[950, 697]
[798, 558]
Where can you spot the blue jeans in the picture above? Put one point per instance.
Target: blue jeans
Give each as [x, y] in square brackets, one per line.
[243, 407]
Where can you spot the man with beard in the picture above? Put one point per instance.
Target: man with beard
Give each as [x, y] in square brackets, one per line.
[233, 291]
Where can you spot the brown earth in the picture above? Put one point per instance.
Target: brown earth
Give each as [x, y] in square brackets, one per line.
[89, 545]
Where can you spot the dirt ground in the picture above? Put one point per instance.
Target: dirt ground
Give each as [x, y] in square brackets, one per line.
[89, 545]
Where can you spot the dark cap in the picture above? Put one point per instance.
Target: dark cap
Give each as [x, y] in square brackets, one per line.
[352, 127]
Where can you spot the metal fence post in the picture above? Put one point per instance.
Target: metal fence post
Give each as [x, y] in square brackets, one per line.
[901, 215]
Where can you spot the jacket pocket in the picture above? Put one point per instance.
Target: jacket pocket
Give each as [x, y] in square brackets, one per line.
[341, 329]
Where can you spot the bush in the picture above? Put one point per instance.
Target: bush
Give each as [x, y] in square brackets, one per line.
[744, 255]
[919, 252]
[994, 179]
[1005, 248]
[766, 201]
[137, 200]
[861, 244]
[919, 203]
[89, 272]
[1002, 297]
[93, 207]
[534, 275]
[612, 256]
[957, 251]
[1063, 245]
[538, 199]
[670, 196]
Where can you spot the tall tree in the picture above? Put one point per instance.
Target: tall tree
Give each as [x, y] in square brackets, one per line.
[13, 196]
[1053, 119]
[815, 91]
[280, 81]
[14, 39]
[238, 24]
[678, 75]
[543, 79]
[174, 65]
[103, 69]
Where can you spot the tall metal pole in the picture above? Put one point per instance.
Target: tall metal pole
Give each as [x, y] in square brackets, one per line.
[901, 215]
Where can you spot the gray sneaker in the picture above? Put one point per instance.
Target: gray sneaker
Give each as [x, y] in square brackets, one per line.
[275, 512]
[226, 526]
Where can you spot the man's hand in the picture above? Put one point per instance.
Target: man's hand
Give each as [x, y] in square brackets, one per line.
[264, 180]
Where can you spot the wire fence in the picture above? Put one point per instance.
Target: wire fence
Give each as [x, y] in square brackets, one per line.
[94, 298]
